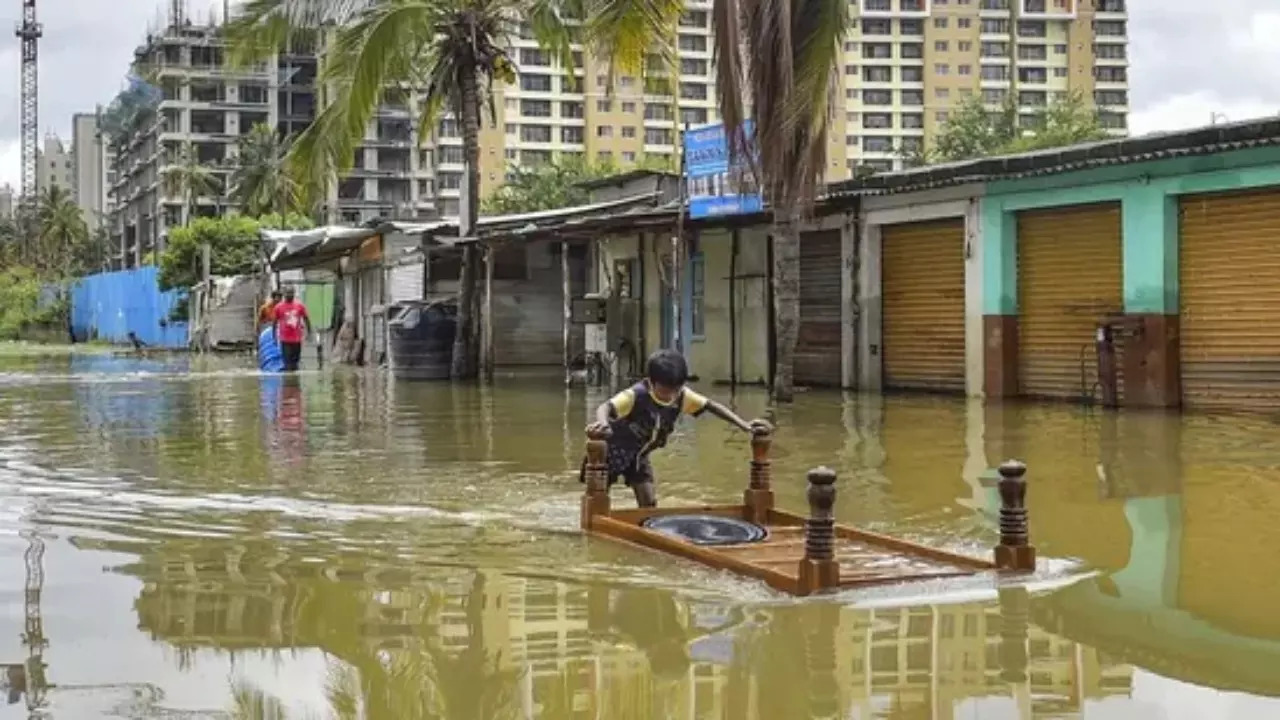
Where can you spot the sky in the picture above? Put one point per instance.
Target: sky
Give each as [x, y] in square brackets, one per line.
[1190, 60]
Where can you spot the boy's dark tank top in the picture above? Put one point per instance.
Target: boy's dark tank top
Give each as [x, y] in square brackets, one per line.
[649, 423]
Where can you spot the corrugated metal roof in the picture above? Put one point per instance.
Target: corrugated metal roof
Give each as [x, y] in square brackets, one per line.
[1121, 151]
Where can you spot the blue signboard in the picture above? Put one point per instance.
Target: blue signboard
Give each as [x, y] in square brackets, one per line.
[712, 190]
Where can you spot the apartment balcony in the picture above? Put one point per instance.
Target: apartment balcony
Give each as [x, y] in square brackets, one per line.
[388, 142]
[1048, 9]
[362, 202]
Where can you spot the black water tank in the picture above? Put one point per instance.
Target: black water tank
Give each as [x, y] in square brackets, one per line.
[421, 335]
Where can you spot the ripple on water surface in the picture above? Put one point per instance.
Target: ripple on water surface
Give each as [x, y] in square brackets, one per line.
[339, 539]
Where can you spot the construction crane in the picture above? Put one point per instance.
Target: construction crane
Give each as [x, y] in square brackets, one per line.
[29, 31]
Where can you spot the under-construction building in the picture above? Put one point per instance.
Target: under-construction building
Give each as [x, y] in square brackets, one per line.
[205, 105]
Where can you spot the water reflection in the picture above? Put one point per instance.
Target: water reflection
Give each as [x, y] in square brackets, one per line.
[340, 544]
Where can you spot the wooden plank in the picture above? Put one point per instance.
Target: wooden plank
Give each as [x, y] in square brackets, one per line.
[636, 516]
[615, 528]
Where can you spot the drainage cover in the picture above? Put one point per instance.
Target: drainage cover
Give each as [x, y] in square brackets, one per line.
[706, 529]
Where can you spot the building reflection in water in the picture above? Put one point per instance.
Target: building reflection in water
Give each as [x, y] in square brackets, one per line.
[412, 642]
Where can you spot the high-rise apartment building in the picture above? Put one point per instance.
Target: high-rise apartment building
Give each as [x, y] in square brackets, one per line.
[909, 62]
[89, 168]
[54, 165]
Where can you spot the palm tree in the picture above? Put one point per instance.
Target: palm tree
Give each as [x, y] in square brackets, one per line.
[793, 51]
[63, 234]
[455, 50]
[191, 179]
[259, 183]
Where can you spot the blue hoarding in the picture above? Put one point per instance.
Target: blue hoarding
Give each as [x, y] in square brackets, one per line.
[712, 190]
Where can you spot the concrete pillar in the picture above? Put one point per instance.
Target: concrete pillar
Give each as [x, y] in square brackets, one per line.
[1152, 372]
[999, 300]
[870, 310]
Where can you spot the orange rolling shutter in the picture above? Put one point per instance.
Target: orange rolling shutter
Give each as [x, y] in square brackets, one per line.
[1069, 278]
[922, 283]
[1229, 278]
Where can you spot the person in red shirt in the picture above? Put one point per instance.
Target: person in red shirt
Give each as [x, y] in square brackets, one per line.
[292, 327]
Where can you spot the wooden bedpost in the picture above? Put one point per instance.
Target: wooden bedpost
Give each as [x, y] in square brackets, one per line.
[595, 497]
[758, 497]
[819, 569]
[1014, 551]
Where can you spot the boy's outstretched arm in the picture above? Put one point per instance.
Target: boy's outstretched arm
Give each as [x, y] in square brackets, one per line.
[618, 406]
[698, 404]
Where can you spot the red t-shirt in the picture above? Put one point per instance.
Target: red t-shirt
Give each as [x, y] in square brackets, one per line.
[291, 315]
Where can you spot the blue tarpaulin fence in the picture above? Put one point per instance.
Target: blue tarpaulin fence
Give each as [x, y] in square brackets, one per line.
[108, 306]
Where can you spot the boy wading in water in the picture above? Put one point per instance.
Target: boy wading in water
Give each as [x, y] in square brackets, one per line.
[639, 420]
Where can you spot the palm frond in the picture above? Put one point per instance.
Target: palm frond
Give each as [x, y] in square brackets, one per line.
[795, 49]
[262, 27]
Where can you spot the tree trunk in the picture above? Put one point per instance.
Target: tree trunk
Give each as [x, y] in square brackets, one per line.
[786, 301]
[466, 340]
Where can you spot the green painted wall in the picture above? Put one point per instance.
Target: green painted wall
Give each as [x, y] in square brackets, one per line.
[1148, 193]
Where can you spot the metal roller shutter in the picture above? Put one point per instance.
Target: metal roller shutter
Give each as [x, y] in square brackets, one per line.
[922, 282]
[1069, 277]
[1229, 275]
[818, 348]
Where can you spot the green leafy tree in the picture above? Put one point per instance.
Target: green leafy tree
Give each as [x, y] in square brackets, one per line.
[456, 50]
[785, 55]
[556, 184]
[973, 130]
[235, 247]
[260, 183]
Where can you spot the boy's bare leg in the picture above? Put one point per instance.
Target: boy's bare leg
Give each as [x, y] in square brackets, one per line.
[646, 495]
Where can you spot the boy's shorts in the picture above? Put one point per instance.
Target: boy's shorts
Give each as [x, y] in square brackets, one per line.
[625, 465]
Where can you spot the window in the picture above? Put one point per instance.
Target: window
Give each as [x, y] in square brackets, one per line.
[628, 131]
[877, 143]
[570, 109]
[693, 116]
[850, 69]
[693, 91]
[450, 181]
[994, 50]
[693, 66]
[1111, 97]
[912, 74]
[529, 56]
[657, 111]
[911, 27]
[877, 51]
[877, 97]
[693, 43]
[877, 121]
[604, 131]
[940, 46]
[995, 72]
[535, 108]
[535, 133]
[940, 22]
[657, 136]
[941, 69]
[571, 84]
[1032, 52]
[697, 289]
[877, 73]
[912, 51]
[964, 69]
[628, 107]
[535, 83]
[693, 18]
[604, 105]
[940, 116]
[964, 46]
[912, 97]
[964, 23]
[995, 27]
[571, 135]
[1060, 49]
[912, 121]
[942, 93]
[604, 156]
[993, 96]
[628, 157]
[450, 154]
[877, 27]
[626, 82]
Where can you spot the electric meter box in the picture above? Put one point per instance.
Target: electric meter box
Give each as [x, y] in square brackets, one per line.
[589, 309]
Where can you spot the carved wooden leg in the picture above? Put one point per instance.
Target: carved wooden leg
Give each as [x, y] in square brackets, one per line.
[595, 497]
[1015, 551]
[758, 497]
[819, 569]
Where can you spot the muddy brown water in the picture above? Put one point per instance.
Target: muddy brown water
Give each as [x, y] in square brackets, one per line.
[191, 539]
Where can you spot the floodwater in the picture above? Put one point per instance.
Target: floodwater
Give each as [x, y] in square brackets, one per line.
[186, 538]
